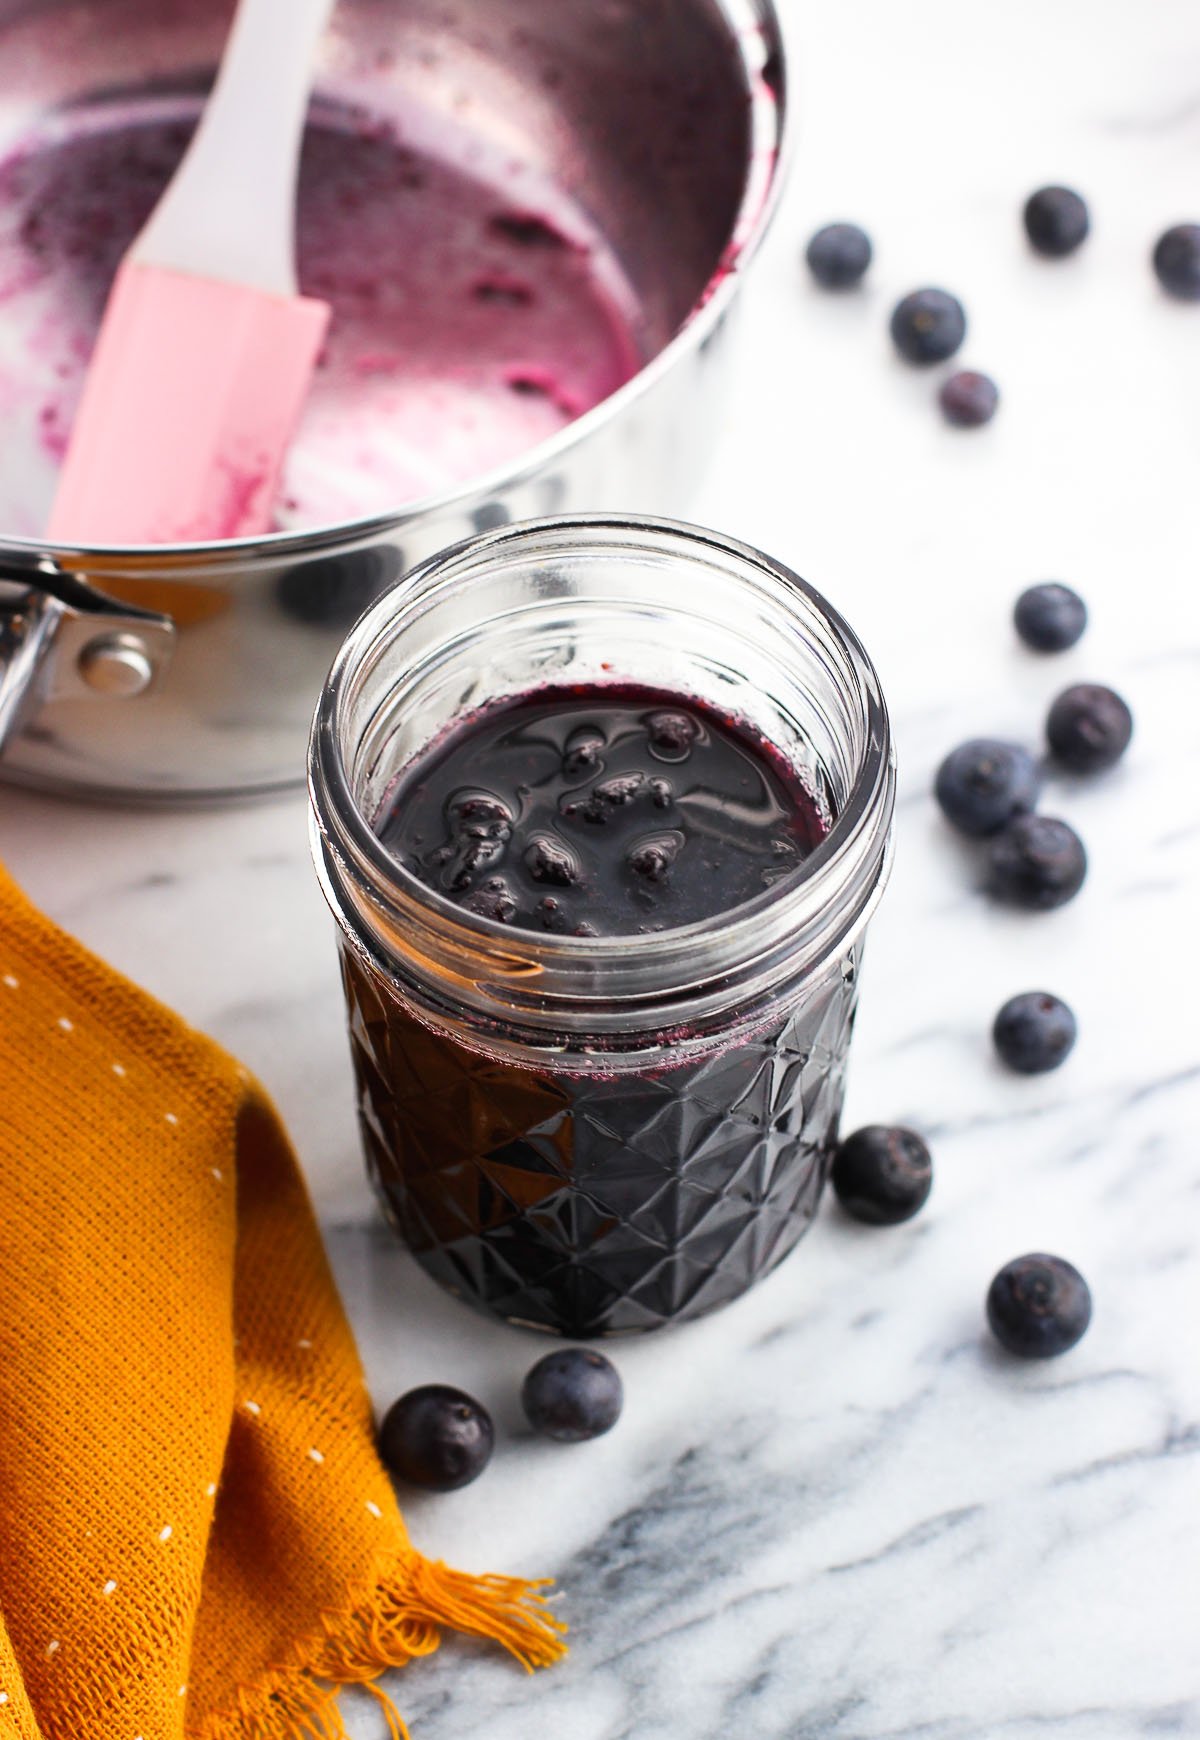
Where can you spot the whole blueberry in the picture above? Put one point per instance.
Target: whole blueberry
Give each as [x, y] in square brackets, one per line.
[1038, 1306]
[882, 1174]
[572, 1394]
[1034, 1032]
[1056, 221]
[969, 399]
[1177, 261]
[839, 255]
[928, 326]
[1089, 727]
[1050, 617]
[1037, 862]
[984, 783]
[437, 1437]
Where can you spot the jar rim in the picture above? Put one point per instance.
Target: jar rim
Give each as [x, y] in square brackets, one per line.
[352, 856]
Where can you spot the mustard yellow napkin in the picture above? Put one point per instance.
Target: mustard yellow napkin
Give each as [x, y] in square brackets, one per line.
[196, 1535]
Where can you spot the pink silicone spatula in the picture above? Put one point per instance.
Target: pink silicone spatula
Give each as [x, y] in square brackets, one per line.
[205, 351]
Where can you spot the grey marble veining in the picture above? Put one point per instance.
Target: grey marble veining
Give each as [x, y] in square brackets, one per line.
[836, 1511]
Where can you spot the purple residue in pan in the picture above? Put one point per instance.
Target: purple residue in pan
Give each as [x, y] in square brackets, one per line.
[476, 311]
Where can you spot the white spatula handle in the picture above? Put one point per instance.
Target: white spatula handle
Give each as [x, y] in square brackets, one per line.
[229, 212]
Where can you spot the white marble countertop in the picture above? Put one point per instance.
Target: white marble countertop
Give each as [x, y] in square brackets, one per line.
[835, 1512]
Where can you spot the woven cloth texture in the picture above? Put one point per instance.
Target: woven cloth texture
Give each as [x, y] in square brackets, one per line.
[197, 1537]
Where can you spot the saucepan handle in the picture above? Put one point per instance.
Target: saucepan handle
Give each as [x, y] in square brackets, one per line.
[62, 639]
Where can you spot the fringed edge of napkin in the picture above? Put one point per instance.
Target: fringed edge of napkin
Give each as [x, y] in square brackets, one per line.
[402, 1617]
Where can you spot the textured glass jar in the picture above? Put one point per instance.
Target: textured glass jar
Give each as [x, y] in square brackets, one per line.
[596, 1135]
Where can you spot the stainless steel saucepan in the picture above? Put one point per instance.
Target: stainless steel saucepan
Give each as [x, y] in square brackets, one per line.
[191, 671]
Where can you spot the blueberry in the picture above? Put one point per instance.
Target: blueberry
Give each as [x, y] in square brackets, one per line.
[547, 861]
[1038, 863]
[928, 326]
[572, 1394]
[493, 900]
[984, 783]
[474, 856]
[436, 1436]
[968, 399]
[1034, 1032]
[479, 815]
[1050, 617]
[1038, 1306]
[611, 794]
[621, 789]
[1177, 261]
[582, 753]
[480, 828]
[1056, 221]
[653, 857]
[838, 256]
[1089, 727]
[671, 735]
[882, 1174]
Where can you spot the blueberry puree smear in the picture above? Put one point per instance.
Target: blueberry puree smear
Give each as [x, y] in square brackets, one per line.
[608, 811]
[477, 309]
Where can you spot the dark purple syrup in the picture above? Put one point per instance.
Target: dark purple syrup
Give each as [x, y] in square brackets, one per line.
[598, 1203]
[602, 813]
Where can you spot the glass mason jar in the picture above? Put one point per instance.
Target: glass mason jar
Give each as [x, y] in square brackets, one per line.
[593, 1135]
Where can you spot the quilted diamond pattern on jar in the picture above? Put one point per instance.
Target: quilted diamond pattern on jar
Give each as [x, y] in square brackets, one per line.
[599, 1205]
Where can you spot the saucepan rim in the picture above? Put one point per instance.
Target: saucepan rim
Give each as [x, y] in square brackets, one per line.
[749, 21]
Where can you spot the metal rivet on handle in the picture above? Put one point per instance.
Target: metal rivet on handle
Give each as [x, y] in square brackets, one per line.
[117, 664]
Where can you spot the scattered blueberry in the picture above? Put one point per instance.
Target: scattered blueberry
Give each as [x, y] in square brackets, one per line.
[438, 1437]
[882, 1174]
[1038, 1306]
[572, 1394]
[969, 399]
[838, 256]
[1177, 261]
[1056, 221]
[1037, 862]
[928, 326]
[1034, 1032]
[1089, 727]
[1050, 617]
[984, 783]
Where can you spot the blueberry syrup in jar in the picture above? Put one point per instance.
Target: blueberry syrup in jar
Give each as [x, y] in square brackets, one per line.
[602, 812]
[600, 937]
